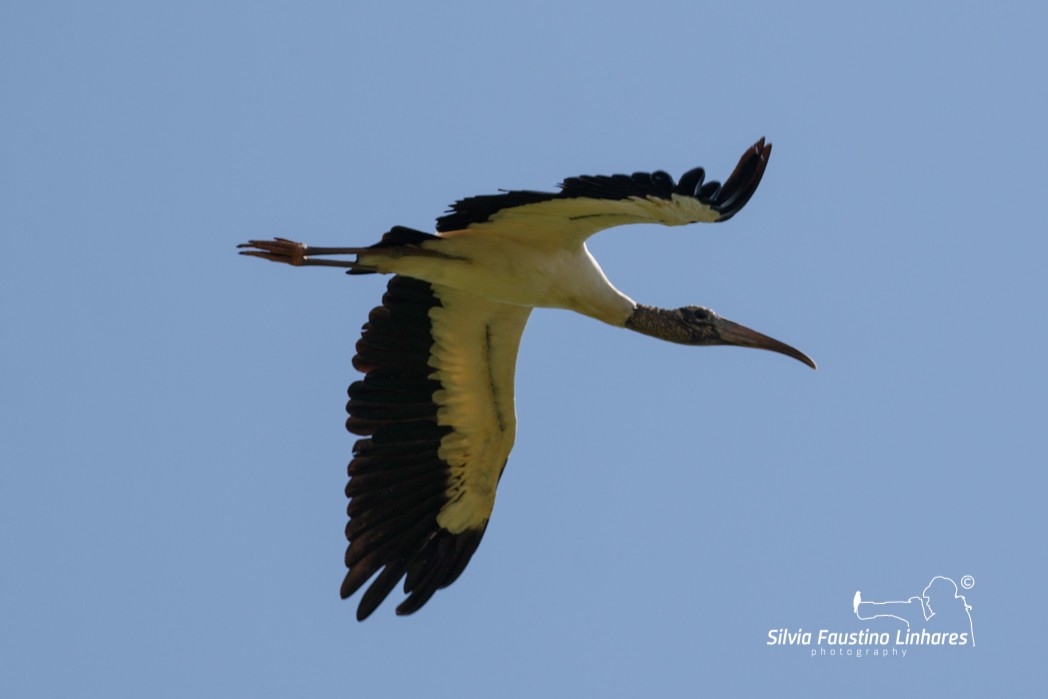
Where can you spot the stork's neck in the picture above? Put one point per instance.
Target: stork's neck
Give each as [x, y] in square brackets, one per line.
[583, 287]
[664, 323]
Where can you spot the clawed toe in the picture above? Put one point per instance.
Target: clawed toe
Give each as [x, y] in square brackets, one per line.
[277, 250]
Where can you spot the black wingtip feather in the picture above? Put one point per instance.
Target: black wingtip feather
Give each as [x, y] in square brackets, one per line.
[743, 181]
[453, 552]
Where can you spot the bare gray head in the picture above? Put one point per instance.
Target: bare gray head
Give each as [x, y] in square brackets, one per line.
[695, 325]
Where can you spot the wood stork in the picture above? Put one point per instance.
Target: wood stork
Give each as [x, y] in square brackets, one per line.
[435, 407]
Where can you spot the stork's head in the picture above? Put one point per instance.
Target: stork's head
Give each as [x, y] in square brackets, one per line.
[704, 327]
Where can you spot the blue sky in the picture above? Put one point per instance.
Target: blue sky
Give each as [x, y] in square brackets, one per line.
[171, 446]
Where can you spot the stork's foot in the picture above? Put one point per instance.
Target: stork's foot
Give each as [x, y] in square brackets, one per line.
[298, 254]
[277, 250]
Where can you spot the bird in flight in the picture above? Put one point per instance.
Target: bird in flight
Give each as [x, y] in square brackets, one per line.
[435, 407]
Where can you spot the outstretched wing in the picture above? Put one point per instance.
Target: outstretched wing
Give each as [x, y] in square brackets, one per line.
[588, 204]
[436, 409]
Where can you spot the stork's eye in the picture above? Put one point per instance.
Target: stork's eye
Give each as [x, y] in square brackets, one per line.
[697, 313]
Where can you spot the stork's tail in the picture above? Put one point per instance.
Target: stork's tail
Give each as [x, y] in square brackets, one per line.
[399, 241]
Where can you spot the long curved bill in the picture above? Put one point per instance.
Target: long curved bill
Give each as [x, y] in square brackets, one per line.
[741, 336]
